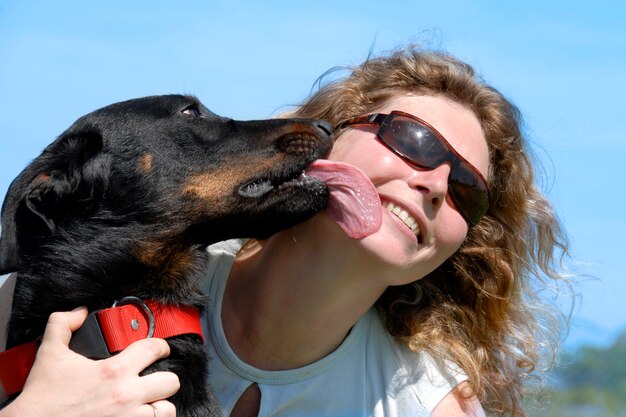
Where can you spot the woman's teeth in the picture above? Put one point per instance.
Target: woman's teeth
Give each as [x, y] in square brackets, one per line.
[404, 216]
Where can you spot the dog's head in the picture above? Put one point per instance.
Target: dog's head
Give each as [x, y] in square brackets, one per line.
[167, 165]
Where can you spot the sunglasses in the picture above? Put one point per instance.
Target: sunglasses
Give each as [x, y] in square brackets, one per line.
[418, 143]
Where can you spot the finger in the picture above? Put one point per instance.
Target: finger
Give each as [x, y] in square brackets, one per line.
[142, 353]
[159, 409]
[61, 325]
[159, 385]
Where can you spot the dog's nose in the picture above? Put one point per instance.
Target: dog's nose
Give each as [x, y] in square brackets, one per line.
[325, 127]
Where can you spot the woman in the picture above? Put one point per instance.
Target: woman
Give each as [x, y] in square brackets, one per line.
[412, 294]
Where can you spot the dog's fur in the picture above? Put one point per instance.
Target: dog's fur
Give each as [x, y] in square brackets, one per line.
[126, 201]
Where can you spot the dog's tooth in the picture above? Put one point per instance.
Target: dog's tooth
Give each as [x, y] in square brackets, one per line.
[256, 189]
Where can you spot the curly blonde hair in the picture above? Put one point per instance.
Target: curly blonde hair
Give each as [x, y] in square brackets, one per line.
[484, 308]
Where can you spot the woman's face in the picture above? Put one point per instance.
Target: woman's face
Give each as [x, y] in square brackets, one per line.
[416, 195]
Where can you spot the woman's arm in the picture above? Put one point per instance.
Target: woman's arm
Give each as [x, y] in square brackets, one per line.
[64, 383]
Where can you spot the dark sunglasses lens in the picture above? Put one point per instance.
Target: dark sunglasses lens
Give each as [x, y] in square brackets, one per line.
[413, 141]
[422, 146]
[469, 193]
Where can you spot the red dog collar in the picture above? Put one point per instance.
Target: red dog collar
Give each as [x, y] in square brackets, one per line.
[104, 333]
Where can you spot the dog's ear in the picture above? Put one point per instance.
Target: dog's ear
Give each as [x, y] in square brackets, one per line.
[69, 176]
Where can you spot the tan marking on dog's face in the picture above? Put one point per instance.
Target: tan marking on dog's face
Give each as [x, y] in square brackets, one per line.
[213, 186]
[145, 163]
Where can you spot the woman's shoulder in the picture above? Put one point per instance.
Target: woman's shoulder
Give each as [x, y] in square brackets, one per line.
[226, 247]
[454, 405]
[7, 285]
[416, 374]
[221, 258]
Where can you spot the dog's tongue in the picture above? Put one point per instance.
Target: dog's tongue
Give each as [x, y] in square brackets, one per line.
[354, 203]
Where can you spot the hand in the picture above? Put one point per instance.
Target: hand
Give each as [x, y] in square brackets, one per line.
[64, 383]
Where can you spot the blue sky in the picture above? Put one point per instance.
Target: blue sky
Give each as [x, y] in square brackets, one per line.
[562, 62]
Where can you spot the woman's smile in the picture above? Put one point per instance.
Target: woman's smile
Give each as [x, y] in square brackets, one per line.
[407, 219]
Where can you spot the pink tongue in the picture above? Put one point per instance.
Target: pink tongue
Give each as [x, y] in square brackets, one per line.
[354, 203]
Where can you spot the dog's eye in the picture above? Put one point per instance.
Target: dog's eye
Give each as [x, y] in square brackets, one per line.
[192, 111]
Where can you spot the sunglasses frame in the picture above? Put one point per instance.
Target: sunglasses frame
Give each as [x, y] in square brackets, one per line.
[376, 119]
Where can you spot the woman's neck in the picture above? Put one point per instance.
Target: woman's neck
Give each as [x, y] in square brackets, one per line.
[288, 304]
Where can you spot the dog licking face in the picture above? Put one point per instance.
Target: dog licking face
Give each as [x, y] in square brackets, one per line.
[125, 201]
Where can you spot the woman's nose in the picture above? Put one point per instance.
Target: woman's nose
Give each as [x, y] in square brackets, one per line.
[431, 183]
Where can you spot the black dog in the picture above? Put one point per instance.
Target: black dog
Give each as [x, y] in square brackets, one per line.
[125, 202]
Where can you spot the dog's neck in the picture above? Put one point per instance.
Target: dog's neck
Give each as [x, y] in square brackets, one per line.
[97, 272]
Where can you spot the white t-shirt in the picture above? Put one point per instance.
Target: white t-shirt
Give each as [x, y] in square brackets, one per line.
[369, 374]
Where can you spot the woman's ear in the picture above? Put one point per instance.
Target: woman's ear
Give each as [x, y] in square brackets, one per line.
[69, 173]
